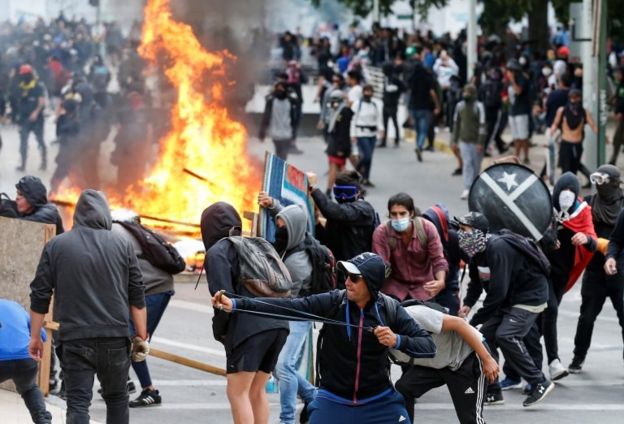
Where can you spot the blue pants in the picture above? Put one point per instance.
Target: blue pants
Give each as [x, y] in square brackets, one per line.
[422, 120]
[366, 146]
[291, 382]
[387, 410]
[156, 305]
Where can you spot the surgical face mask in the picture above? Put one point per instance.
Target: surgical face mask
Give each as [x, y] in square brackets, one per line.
[472, 243]
[522, 61]
[400, 225]
[566, 200]
[546, 72]
[334, 105]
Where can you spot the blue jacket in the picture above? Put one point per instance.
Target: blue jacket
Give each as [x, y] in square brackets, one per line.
[14, 331]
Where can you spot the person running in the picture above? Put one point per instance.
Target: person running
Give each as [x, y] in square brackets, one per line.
[571, 119]
[30, 115]
[353, 365]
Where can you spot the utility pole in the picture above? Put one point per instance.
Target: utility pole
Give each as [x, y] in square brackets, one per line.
[376, 15]
[602, 80]
[472, 38]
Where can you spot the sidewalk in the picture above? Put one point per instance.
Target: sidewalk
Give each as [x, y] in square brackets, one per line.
[14, 411]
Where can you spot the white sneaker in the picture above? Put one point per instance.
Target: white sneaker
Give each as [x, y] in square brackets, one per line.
[464, 195]
[557, 371]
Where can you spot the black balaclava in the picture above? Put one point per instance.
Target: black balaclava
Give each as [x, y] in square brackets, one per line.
[608, 202]
[219, 220]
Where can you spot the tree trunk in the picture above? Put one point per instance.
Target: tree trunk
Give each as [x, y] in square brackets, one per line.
[539, 33]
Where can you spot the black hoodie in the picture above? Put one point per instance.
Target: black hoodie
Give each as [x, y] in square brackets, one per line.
[219, 221]
[34, 192]
[93, 273]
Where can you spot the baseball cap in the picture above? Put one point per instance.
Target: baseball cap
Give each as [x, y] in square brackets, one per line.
[475, 220]
[370, 266]
[25, 69]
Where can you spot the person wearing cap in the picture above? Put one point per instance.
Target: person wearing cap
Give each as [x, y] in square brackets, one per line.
[30, 115]
[599, 284]
[514, 273]
[570, 120]
[31, 202]
[469, 133]
[412, 247]
[350, 222]
[362, 324]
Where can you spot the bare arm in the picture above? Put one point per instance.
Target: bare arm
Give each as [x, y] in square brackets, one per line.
[434, 97]
[35, 347]
[139, 318]
[557, 121]
[591, 122]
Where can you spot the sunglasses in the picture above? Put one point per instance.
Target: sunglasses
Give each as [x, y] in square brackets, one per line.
[599, 178]
[355, 278]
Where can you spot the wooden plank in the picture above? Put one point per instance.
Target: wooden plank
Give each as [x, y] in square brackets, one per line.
[187, 362]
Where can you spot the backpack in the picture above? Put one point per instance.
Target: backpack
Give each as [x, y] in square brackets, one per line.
[528, 248]
[323, 265]
[155, 249]
[261, 269]
[491, 95]
[8, 207]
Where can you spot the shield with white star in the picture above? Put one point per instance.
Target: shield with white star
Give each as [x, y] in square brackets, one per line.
[511, 196]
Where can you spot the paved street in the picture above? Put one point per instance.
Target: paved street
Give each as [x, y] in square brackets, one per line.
[192, 396]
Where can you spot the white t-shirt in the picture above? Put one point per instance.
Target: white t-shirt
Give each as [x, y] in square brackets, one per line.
[452, 350]
[355, 94]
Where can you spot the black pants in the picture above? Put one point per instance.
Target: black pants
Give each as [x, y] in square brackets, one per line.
[390, 114]
[549, 320]
[597, 286]
[81, 360]
[466, 386]
[534, 347]
[618, 142]
[570, 156]
[507, 329]
[23, 372]
[493, 120]
[24, 132]
[282, 147]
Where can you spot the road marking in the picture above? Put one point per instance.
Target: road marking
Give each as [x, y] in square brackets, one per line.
[162, 341]
[191, 306]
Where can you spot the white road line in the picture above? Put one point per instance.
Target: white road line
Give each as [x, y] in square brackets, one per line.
[191, 306]
[162, 341]
[575, 315]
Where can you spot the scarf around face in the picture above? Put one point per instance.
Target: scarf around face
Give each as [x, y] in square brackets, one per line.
[607, 203]
[474, 242]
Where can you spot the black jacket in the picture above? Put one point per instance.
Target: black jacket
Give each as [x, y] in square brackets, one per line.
[223, 273]
[93, 273]
[35, 193]
[345, 351]
[616, 244]
[516, 278]
[350, 226]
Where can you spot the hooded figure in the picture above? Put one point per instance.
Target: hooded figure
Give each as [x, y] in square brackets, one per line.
[218, 222]
[290, 247]
[574, 216]
[609, 200]
[34, 192]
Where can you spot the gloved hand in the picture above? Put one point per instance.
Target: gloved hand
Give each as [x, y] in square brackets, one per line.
[140, 349]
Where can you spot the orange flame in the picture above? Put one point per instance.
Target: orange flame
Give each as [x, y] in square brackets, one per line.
[203, 137]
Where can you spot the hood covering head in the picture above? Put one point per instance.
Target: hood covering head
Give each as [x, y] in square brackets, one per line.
[567, 181]
[609, 200]
[438, 215]
[219, 220]
[92, 211]
[296, 224]
[371, 267]
[33, 190]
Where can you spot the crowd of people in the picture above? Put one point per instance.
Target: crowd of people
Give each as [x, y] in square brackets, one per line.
[380, 289]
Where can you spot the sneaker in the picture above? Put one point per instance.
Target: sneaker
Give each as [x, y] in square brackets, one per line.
[20, 168]
[540, 391]
[130, 386]
[367, 183]
[419, 155]
[557, 371]
[382, 145]
[457, 172]
[494, 398]
[510, 384]
[576, 365]
[464, 195]
[527, 389]
[146, 398]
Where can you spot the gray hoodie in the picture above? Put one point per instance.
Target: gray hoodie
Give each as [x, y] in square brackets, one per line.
[93, 273]
[296, 260]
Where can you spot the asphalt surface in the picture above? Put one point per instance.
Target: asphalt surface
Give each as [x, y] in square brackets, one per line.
[192, 396]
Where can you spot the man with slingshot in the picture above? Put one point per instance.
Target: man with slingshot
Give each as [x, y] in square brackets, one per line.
[359, 326]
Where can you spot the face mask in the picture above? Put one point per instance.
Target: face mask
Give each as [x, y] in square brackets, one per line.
[473, 242]
[566, 200]
[400, 225]
[367, 97]
[346, 193]
[467, 97]
[280, 94]
[281, 239]
[546, 72]
[26, 78]
[334, 105]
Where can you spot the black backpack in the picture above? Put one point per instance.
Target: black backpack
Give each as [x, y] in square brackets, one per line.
[323, 265]
[491, 94]
[8, 207]
[155, 249]
[261, 269]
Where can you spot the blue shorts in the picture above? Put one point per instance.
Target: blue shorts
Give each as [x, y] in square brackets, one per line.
[387, 410]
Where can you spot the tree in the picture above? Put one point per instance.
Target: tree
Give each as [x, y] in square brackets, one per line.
[364, 7]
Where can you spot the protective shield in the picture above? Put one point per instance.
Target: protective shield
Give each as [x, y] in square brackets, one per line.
[511, 196]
